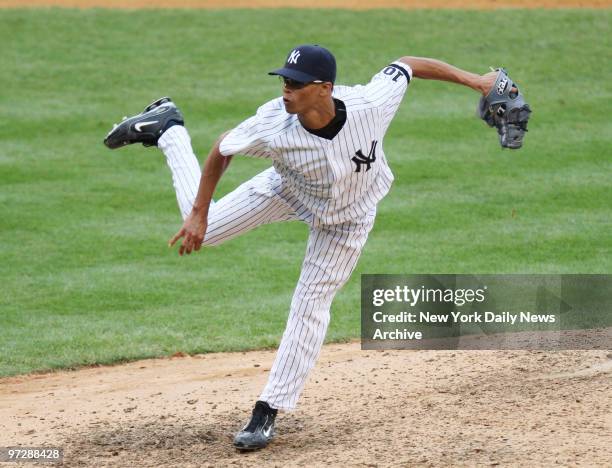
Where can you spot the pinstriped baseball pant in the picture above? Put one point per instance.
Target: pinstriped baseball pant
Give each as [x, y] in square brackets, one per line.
[331, 255]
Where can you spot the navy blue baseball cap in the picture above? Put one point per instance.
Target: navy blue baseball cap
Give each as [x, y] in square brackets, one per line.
[308, 63]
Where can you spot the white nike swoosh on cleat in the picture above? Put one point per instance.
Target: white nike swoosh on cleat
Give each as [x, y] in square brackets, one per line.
[268, 430]
[139, 125]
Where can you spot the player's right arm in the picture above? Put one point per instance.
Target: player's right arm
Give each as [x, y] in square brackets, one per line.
[250, 139]
[194, 227]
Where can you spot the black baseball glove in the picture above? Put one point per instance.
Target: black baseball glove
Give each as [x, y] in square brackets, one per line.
[505, 108]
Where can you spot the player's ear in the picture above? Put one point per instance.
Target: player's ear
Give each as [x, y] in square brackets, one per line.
[326, 89]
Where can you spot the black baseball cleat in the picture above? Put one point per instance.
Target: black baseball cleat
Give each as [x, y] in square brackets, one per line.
[259, 430]
[147, 127]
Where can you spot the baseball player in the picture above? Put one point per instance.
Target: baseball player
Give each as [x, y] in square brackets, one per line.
[329, 170]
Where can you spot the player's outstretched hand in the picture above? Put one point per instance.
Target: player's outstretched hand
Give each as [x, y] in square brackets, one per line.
[192, 232]
[504, 107]
[486, 82]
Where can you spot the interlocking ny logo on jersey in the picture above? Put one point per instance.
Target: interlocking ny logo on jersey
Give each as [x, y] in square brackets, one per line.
[360, 159]
[293, 57]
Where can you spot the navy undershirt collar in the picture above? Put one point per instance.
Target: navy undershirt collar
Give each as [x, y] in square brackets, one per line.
[335, 125]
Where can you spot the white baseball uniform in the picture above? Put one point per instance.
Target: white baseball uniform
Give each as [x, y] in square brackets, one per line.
[333, 185]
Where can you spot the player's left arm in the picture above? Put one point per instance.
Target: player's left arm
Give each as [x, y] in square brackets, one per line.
[432, 69]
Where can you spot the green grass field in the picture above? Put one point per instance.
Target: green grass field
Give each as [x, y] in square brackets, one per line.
[86, 273]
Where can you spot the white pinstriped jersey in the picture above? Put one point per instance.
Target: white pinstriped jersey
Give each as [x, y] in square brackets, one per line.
[337, 180]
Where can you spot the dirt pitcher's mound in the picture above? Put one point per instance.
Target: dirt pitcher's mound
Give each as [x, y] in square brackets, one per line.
[360, 408]
[350, 4]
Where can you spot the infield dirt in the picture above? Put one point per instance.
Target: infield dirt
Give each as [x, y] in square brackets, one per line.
[359, 408]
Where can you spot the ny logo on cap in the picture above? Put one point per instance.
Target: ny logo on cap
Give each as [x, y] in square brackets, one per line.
[293, 57]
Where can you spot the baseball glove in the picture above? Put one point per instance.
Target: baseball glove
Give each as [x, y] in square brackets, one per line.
[505, 108]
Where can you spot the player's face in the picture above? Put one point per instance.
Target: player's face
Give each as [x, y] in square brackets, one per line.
[301, 97]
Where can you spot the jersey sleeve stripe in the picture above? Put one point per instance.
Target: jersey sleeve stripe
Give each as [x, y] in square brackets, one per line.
[401, 69]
